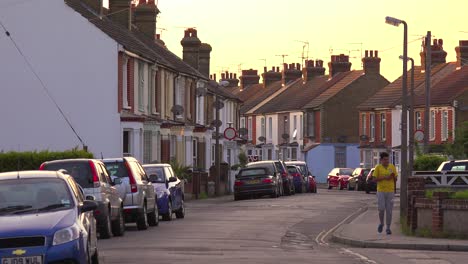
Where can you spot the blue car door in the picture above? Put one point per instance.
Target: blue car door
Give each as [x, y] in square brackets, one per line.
[176, 190]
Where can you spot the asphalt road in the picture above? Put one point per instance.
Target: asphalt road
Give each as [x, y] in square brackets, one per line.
[284, 230]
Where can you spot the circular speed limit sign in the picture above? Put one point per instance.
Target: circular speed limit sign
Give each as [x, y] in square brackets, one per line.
[419, 135]
[230, 133]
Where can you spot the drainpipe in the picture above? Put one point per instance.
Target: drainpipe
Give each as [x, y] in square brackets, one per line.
[174, 97]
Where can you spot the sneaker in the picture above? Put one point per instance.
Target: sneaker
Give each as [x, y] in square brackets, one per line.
[389, 232]
[380, 228]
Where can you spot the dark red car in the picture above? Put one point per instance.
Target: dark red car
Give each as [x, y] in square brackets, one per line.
[339, 177]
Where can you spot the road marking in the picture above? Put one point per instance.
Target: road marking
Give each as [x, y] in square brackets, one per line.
[317, 238]
[361, 257]
[322, 238]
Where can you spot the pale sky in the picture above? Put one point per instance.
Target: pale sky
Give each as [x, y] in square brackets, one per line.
[246, 31]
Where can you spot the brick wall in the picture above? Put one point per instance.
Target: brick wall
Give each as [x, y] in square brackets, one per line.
[165, 149]
[119, 82]
[317, 126]
[131, 83]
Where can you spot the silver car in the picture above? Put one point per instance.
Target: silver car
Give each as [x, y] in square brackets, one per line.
[92, 176]
[140, 198]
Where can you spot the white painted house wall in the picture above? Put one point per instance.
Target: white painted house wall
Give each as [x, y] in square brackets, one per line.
[78, 64]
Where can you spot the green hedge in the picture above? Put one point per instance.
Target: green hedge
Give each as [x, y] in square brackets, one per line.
[428, 162]
[31, 160]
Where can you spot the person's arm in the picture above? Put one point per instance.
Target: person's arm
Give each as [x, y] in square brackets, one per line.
[376, 175]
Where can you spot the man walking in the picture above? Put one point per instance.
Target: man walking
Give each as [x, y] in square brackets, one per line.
[385, 174]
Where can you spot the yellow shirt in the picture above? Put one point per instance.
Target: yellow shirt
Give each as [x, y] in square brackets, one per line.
[380, 172]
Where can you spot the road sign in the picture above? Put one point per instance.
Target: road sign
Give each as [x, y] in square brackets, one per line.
[230, 133]
[419, 135]
[253, 158]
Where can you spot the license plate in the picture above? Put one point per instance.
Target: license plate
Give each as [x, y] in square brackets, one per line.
[22, 260]
[253, 182]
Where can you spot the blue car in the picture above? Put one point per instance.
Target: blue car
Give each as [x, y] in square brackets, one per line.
[45, 219]
[168, 189]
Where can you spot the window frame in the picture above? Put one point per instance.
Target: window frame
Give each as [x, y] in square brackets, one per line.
[445, 125]
[141, 86]
[432, 125]
[383, 126]
[372, 127]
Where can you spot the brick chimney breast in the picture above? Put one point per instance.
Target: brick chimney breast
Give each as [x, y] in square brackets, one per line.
[438, 54]
[312, 69]
[371, 62]
[292, 73]
[462, 53]
[204, 59]
[249, 77]
[145, 17]
[120, 12]
[191, 48]
[339, 63]
[271, 76]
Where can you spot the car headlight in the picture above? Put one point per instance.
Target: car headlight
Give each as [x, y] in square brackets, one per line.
[66, 235]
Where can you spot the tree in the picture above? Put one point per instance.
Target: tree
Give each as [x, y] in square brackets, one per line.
[459, 148]
[243, 159]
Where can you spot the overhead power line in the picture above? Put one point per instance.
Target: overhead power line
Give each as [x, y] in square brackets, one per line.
[31, 68]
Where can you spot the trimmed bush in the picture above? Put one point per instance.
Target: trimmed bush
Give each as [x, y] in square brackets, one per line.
[31, 160]
[428, 162]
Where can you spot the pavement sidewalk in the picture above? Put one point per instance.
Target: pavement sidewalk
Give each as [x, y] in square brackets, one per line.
[362, 232]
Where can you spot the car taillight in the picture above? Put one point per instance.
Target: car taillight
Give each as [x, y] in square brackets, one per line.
[297, 175]
[133, 184]
[238, 183]
[42, 166]
[267, 180]
[95, 175]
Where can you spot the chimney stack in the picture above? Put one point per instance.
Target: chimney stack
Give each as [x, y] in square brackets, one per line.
[438, 54]
[249, 77]
[120, 11]
[371, 62]
[339, 63]
[272, 76]
[312, 69]
[462, 53]
[145, 17]
[231, 78]
[292, 73]
[191, 45]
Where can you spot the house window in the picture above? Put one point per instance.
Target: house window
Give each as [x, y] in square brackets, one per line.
[368, 159]
[173, 147]
[270, 128]
[195, 152]
[418, 121]
[363, 124]
[127, 143]
[262, 122]
[141, 86]
[295, 126]
[432, 129]
[301, 126]
[125, 83]
[269, 154]
[372, 127]
[340, 157]
[444, 125]
[249, 127]
[242, 123]
[213, 152]
[148, 145]
[383, 127]
[260, 154]
[310, 124]
[293, 153]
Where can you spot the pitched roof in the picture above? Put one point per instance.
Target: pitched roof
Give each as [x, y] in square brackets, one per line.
[390, 95]
[255, 94]
[447, 89]
[134, 41]
[221, 91]
[343, 80]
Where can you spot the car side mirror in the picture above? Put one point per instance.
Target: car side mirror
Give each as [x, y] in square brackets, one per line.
[337, 174]
[90, 198]
[313, 176]
[89, 206]
[117, 181]
[172, 179]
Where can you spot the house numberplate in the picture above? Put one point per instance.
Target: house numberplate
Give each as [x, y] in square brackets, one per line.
[22, 260]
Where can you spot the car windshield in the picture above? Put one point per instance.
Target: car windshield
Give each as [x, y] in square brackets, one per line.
[117, 169]
[346, 171]
[292, 169]
[454, 166]
[252, 172]
[79, 170]
[34, 195]
[268, 166]
[156, 174]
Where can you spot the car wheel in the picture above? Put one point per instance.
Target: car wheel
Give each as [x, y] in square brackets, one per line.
[329, 186]
[315, 189]
[236, 197]
[367, 189]
[142, 219]
[153, 217]
[105, 230]
[168, 215]
[357, 186]
[118, 225]
[181, 212]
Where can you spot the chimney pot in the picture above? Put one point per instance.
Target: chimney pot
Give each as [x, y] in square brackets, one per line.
[277, 69]
[214, 76]
[371, 53]
[223, 76]
[211, 76]
[298, 66]
[367, 53]
[235, 75]
[265, 69]
[230, 75]
[285, 66]
[441, 43]
[273, 68]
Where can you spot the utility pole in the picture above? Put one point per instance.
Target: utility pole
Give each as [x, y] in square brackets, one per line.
[404, 126]
[428, 92]
[217, 152]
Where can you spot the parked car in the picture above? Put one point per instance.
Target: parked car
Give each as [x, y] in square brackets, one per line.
[371, 184]
[287, 179]
[298, 179]
[339, 177]
[97, 185]
[168, 189]
[140, 198]
[357, 181]
[45, 219]
[454, 165]
[311, 185]
[258, 181]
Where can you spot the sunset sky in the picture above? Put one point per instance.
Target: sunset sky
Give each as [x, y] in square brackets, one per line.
[244, 32]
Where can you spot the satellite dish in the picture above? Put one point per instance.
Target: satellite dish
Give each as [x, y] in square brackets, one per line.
[201, 91]
[216, 123]
[224, 83]
[262, 139]
[285, 136]
[295, 133]
[218, 104]
[177, 109]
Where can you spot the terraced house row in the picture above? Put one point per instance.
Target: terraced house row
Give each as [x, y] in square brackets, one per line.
[121, 89]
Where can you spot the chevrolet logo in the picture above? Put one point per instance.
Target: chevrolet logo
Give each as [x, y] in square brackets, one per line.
[19, 252]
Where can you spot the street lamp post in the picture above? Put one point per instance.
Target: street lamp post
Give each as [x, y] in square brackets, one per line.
[411, 144]
[218, 155]
[404, 117]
